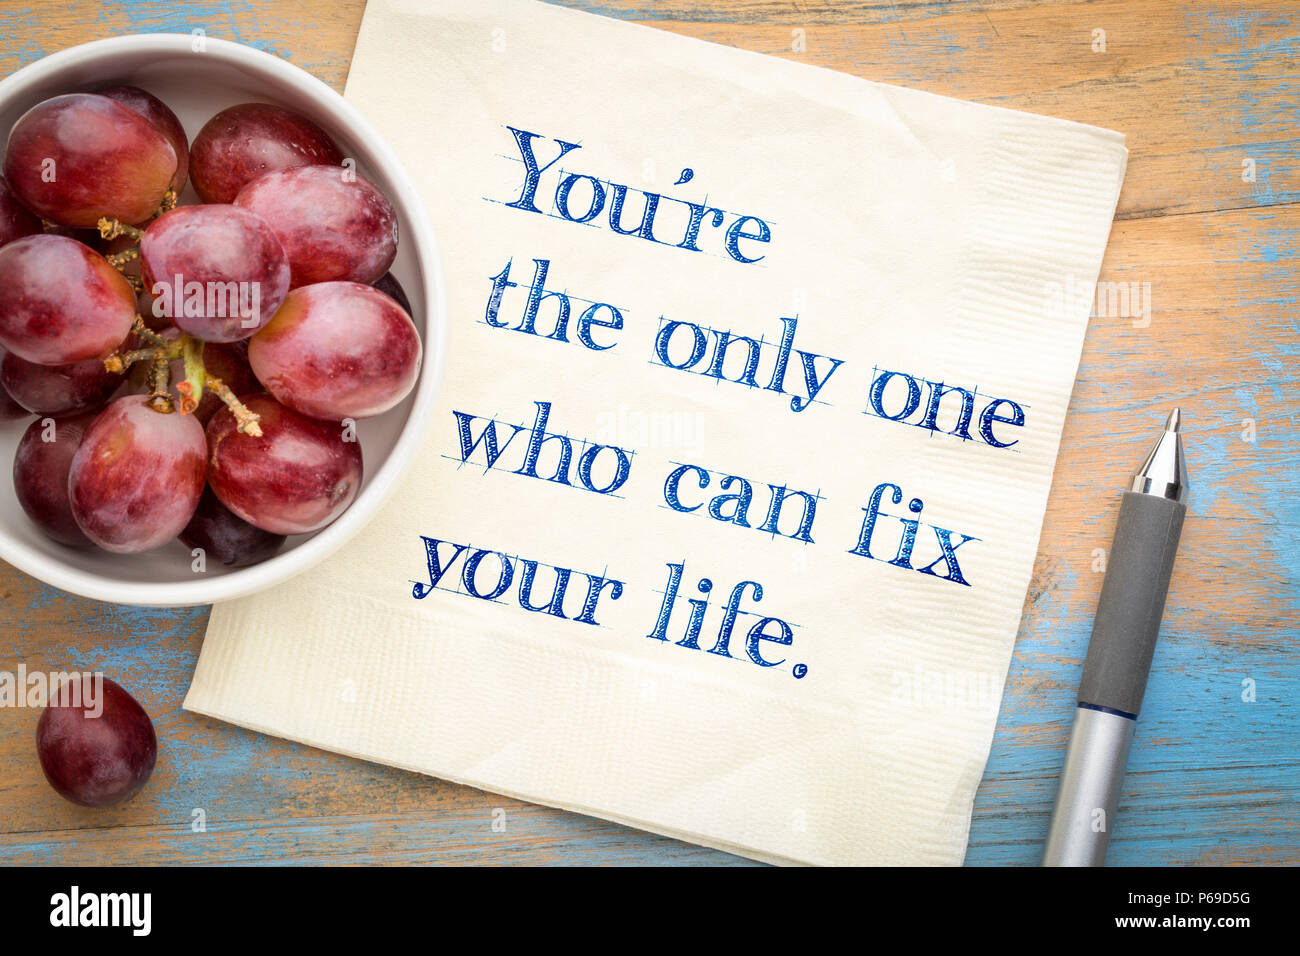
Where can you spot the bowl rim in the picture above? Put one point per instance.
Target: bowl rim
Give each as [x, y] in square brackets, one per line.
[382, 482]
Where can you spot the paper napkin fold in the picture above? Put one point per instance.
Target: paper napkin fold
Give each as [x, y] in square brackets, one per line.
[754, 386]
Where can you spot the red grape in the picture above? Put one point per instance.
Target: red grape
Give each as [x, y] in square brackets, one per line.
[79, 157]
[337, 350]
[137, 477]
[89, 237]
[97, 746]
[243, 142]
[41, 467]
[162, 119]
[60, 301]
[226, 537]
[297, 477]
[332, 223]
[218, 271]
[15, 220]
[389, 285]
[10, 411]
[57, 389]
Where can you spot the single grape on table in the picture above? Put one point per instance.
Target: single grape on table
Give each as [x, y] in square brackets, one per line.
[97, 747]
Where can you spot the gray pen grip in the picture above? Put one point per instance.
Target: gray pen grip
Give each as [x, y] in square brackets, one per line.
[1132, 602]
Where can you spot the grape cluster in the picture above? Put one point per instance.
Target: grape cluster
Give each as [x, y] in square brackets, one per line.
[196, 370]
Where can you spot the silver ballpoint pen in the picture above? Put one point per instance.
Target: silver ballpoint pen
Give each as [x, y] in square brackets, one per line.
[1119, 655]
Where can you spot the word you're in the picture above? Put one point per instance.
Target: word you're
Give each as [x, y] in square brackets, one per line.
[583, 198]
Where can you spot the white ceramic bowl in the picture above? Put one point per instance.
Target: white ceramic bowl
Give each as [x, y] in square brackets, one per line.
[196, 84]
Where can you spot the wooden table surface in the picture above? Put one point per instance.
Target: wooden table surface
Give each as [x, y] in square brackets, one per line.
[1209, 97]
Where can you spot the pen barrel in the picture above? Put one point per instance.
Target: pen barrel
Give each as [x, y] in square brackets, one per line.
[1079, 833]
[1132, 602]
[1114, 678]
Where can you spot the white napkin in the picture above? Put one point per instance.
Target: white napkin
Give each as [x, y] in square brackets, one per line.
[890, 231]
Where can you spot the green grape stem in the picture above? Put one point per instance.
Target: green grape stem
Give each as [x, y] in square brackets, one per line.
[160, 399]
[247, 420]
[113, 228]
[150, 337]
[119, 362]
[168, 203]
[195, 372]
[159, 352]
[119, 259]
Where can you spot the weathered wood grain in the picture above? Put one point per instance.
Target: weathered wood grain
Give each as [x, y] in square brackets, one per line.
[1198, 88]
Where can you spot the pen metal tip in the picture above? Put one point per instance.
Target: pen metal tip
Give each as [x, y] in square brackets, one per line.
[1164, 473]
